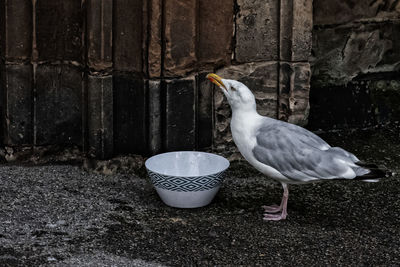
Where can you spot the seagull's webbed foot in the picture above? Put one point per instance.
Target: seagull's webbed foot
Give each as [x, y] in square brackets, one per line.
[270, 211]
[274, 217]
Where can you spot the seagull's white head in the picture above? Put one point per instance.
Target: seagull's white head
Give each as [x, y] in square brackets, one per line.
[239, 96]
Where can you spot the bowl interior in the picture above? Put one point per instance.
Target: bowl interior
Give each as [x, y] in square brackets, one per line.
[187, 163]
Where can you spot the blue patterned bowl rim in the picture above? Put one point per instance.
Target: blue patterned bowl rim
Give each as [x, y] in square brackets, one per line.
[186, 184]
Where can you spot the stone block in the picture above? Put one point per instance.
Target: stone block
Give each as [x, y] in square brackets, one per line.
[58, 105]
[215, 31]
[354, 50]
[180, 119]
[100, 116]
[340, 12]
[180, 37]
[294, 88]
[155, 38]
[155, 116]
[59, 26]
[391, 46]
[204, 112]
[17, 101]
[262, 80]
[296, 23]
[99, 34]
[257, 36]
[130, 105]
[222, 136]
[16, 29]
[128, 24]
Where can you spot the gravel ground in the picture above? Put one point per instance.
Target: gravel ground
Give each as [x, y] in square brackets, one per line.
[60, 215]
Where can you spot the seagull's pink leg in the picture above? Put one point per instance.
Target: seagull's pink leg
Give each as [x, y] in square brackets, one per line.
[275, 208]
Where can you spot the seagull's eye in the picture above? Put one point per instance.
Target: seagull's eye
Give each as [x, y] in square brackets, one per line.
[233, 88]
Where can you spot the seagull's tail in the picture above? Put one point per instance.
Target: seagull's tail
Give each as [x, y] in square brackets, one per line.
[369, 172]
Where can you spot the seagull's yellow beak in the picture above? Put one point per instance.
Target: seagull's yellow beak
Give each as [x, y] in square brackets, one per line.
[214, 78]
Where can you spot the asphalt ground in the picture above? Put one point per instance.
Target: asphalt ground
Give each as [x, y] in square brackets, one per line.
[62, 215]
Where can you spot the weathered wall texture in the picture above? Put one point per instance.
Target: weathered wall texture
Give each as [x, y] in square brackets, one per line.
[356, 63]
[272, 42]
[121, 76]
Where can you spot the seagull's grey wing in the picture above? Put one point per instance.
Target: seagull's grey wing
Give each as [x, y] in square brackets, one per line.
[304, 136]
[310, 139]
[298, 155]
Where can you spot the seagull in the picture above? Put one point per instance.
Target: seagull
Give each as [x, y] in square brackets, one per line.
[286, 152]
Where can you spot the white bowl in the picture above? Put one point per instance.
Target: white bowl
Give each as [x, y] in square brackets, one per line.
[186, 179]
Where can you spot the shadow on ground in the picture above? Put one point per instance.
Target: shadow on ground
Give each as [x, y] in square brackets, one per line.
[60, 215]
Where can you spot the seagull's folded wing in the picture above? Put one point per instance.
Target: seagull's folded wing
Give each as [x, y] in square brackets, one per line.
[300, 155]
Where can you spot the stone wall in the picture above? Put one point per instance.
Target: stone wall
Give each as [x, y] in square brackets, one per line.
[121, 76]
[356, 63]
[272, 46]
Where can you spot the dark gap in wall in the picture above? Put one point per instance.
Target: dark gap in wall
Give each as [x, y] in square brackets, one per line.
[85, 71]
[368, 100]
[163, 100]
[147, 40]
[163, 45]
[130, 121]
[278, 43]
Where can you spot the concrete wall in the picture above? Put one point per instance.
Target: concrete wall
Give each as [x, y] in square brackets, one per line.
[356, 63]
